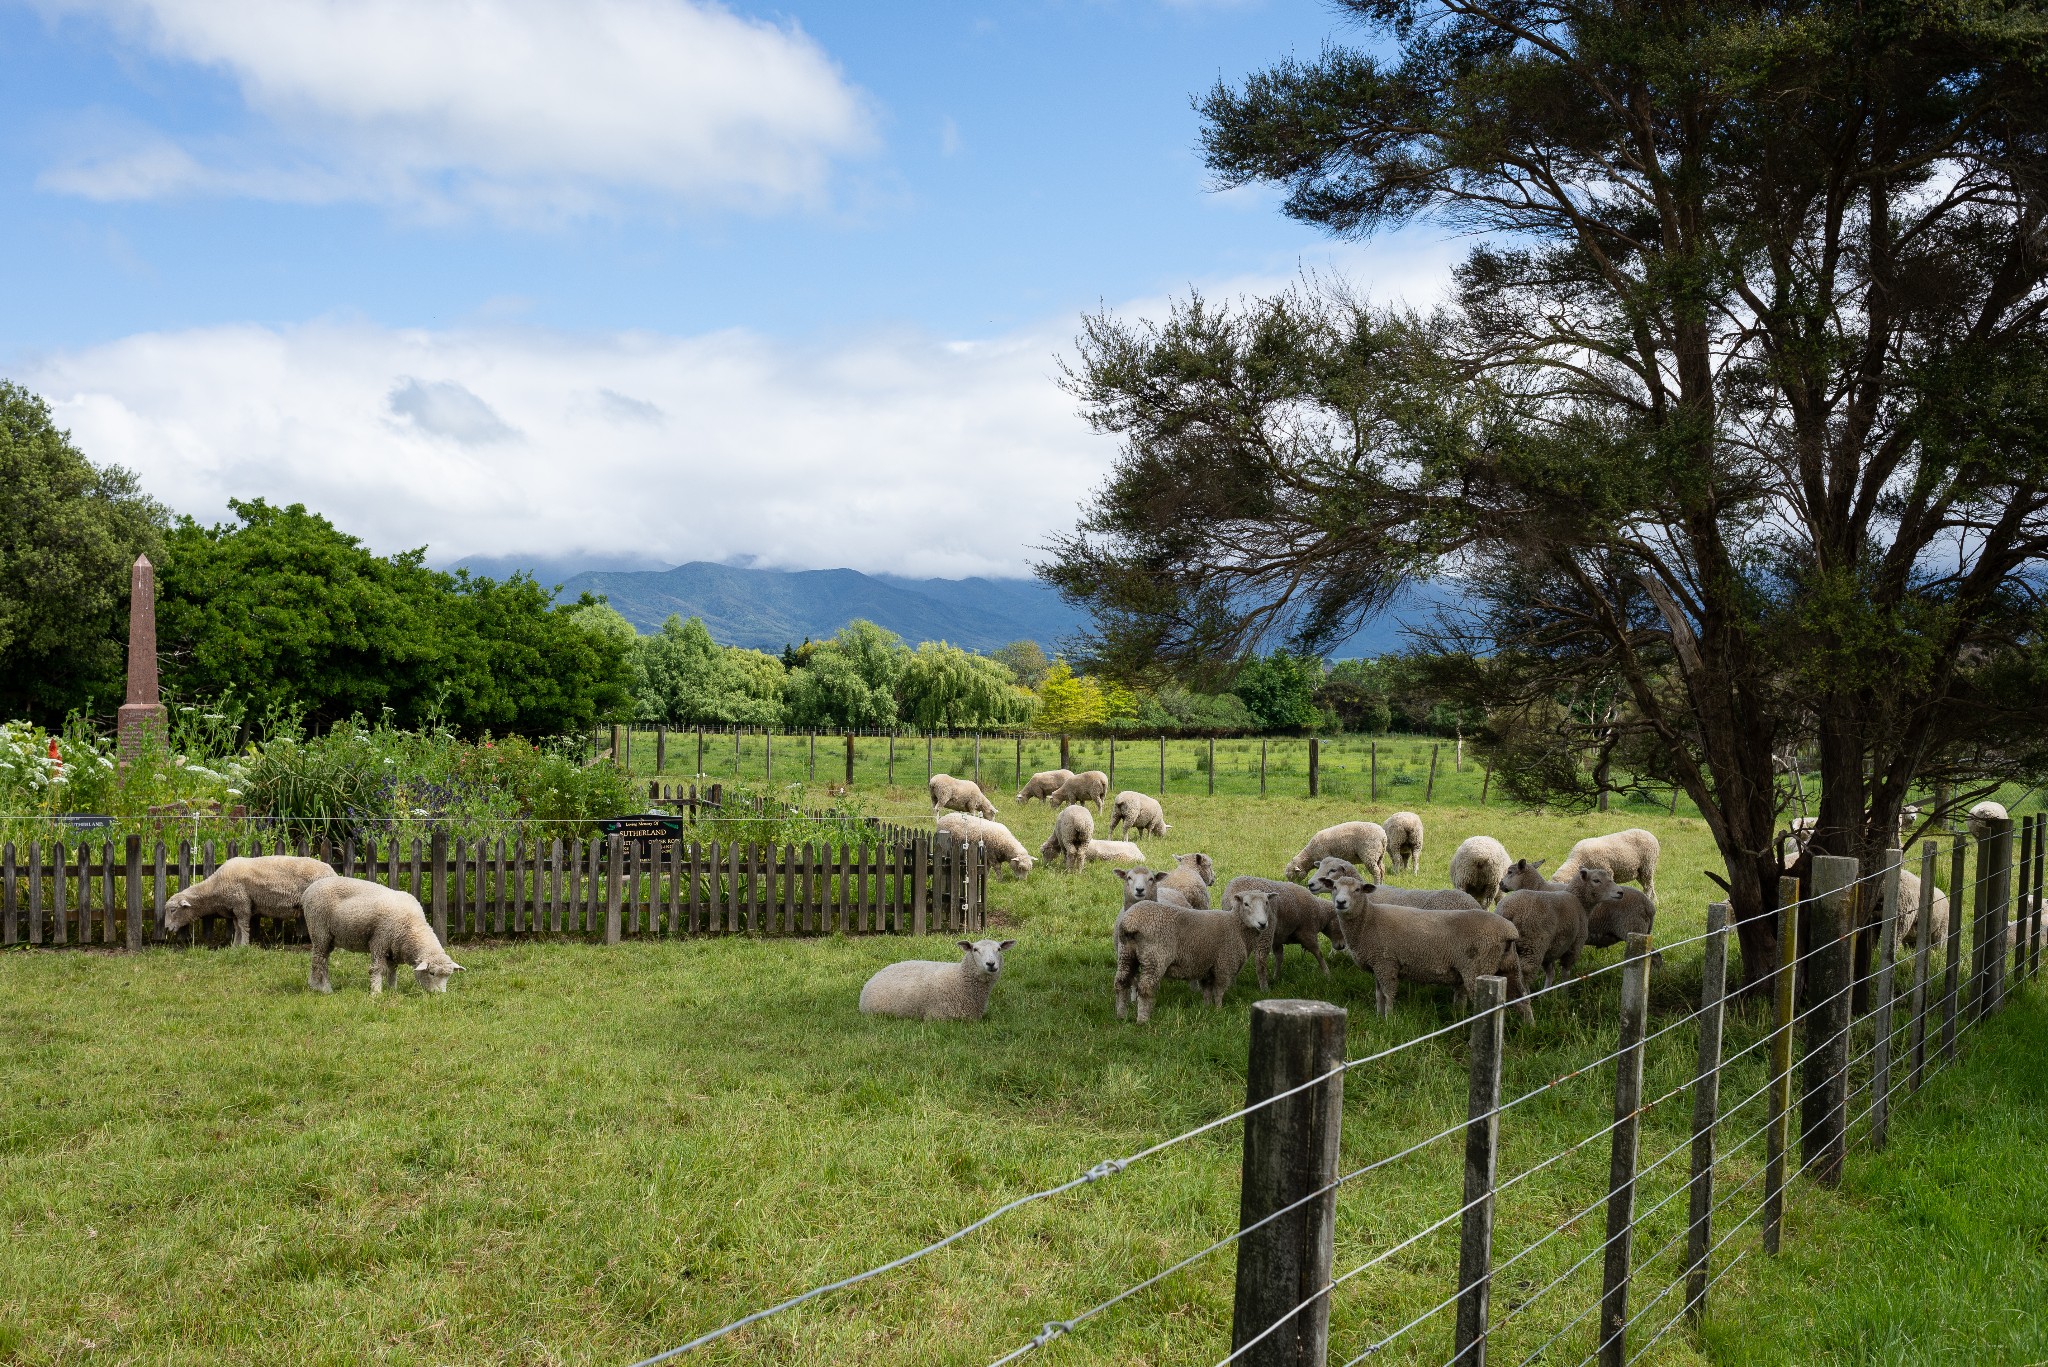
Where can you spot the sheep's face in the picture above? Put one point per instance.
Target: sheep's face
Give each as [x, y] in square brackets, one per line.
[1021, 866]
[434, 975]
[1597, 886]
[1203, 866]
[1349, 893]
[1327, 873]
[1522, 875]
[185, 908]
[1250, 907]
[985, 956]
[1139, 884]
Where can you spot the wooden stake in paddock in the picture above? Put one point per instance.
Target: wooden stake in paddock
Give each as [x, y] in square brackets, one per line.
[1777, 1132]
[1429, 791]
[1881, 1047]
[1952, 989]
[134, 898]
[1212, 766]
[661, 747]
[1262, 766]
[1923, 958]
[890, 775]
[1622, 1153]
[1824, 1098]
[1482, 1163]
[1706, 1104]
[1372, 759]
[1315, 764]
[849, 759]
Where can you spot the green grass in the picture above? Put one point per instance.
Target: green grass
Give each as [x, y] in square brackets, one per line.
[582, 1154]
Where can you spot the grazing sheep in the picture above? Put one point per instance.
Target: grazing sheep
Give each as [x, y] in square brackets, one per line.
[1477, 866]
[1553, 925]
[1072, 829]
[270, 884]
[1363, 843]
[1404, 841]
[1091, 785]
[1139, 812]
[1982, 815]
[934, 990]
[1630, 855]
[1191, 876]
[1456, 948]
[1043, 785]
[994, 834]
[1143, 885]
[1155, 942]
[1909, 911]
[1430, 899]
[1294, 916]
[384, 923]
[1526, 875]
[1111, 852]
[951, 794]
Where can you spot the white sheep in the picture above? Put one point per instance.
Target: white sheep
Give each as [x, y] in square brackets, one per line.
[1155, 942]
[1111, 852]
[244, 887]
[934, 990]
[1144, 885]
[1456, 948]
[1981, 817]
[1191, 876]
[1477, 866]
[994, 834]
[951, 794]
[1363, 843]
[1909, 911]
[385, 923]
[1091, 785]
[1294, 916]
[1324, 882]
[1630, 855]
[1072, 829]
[1139, 811]
[1404, 841]
[1042, 785]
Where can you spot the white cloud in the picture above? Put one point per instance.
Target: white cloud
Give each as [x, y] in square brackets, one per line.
[521, 108]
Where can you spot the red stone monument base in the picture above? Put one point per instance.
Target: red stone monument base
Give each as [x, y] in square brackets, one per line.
[139, 720]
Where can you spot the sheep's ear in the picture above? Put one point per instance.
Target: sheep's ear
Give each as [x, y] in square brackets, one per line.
[1005, 945]
[967, 944]
[1123, 875]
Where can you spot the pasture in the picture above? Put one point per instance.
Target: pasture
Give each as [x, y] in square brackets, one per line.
[585, 1154]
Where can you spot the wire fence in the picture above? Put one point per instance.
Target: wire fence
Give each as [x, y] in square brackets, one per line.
[1854, 1044]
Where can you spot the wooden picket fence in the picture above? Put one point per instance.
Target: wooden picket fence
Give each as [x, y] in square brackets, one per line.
[880, 880]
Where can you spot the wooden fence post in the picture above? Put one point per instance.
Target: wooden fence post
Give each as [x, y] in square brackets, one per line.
[1429, 792]
[1281, 1317]
[133, 891]
[1824, 1089]
[849, 759]
[1485, 781]
[1952, 989]
[1017, 769]
[9, 894]
[700, 749]
[1881, 1009]
[1262, 766]
[1923, 958]
[1212, 766]
[618, 744]
[889, 770]
[1999, 866]
[1315, 764]
[1622, 1151]
[1482, 1164]
[928, 770]
[1706, 1106]
[660, 747]
[768, 755]
[1372, 759]
[1065, 762]
[2034, 912]
[614, 888]
[437, 885]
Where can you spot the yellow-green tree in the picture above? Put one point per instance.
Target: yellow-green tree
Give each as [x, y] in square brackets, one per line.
[1069, 702]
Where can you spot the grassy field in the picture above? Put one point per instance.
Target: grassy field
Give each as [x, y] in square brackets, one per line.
[583, 1154]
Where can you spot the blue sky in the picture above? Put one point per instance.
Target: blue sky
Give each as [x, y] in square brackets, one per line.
[647, 280]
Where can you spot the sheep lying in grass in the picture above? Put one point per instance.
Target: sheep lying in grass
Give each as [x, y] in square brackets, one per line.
[994, 834]
[384, 923]
[269, 885]
[1477, 866]
[1981, 817]
[1404, 841]
[1553, 924]
[1138, 811]
[951, 794]
[1042, 785]
[1455, 948]
[932, 990]
[1111, 852]
[1144, 885]
[1362, 843]
[1324, 882]
[1191, 876]
[1630, 855]
[1072, 829]
[1091, 785]
[1294, 916]
[1155, 942]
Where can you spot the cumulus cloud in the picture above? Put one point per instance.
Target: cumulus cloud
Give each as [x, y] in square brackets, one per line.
[516, 107]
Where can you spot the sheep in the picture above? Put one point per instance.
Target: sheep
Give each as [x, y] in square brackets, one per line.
[1091, 785]
[1630, 855]
[1909, 911]
[1043, 785]
[270, 884]
[1404, 841]
[1391, 941]
[1428, 899]
[1155, 942]
[1363, 843]
[385, 923]
[1981, 817]
[1140, 812]
[951, 794]
[1143, 885]
[1111, 852]
[1072, 830]
[1526, 875]
[936, 990]
[994, 834]
[1191, 876]
[1477, 867]
[1613, 920]
[1294, 916]
[1553, 925]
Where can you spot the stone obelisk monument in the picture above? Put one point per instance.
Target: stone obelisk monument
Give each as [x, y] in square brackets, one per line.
[142, 714]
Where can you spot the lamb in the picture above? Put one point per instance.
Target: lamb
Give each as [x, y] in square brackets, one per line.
[1043, 785]
[1363, 843]
[1526, 875]
[1111, 852]
[1139, 811]
[1477, 866]
[994, 834]
[1391, 941]
[1294, 916]
[1981, 817]
[1091, 785]
[270, 884]
[1553, 925]
[934, 990]
[1155, 942]
[1143, 885]
[1404, 841]
[1191, 876]
[1612, 921]
[385, 923]
[951, 794]
[1630, 855]
[1072, 830]
[1429, 899]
